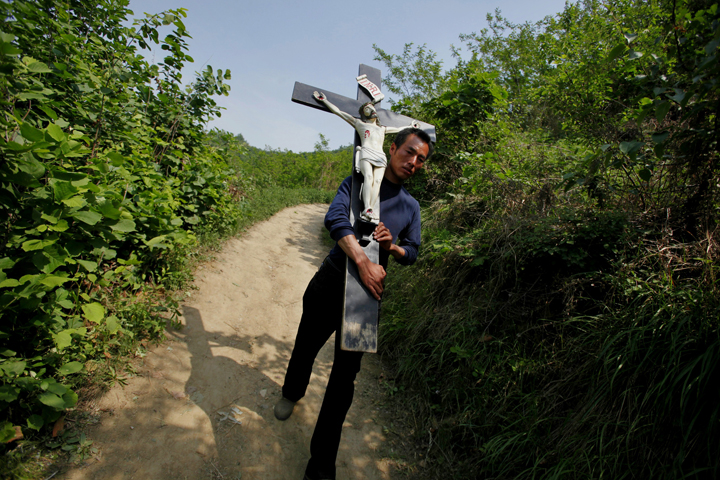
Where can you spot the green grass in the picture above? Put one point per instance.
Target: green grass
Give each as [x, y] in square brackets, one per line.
[267, 202]
[525, 359]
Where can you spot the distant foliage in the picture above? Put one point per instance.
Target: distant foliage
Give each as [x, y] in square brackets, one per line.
[414, 76]
[322, 168]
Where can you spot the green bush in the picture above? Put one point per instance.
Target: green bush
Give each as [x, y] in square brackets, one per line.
[104, 186]
[270, 200]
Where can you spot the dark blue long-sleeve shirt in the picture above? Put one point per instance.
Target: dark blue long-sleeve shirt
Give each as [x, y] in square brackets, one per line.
[399, 211]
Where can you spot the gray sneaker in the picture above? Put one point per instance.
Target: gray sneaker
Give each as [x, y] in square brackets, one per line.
[284, 408]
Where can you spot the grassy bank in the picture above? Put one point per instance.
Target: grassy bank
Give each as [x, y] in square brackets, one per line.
[560, 348]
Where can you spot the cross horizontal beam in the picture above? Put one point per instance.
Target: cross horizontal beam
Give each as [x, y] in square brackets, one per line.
[303, 94]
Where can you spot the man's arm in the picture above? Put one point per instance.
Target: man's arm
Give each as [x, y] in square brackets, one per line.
[385, 239]
[337, 221]
[371, 274]
[345, 116]
[405, 251]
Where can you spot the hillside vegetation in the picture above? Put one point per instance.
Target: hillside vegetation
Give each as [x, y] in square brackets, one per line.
[563, 319]
[110, 188]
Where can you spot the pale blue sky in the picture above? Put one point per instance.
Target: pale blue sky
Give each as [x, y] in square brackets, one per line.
[270, 44]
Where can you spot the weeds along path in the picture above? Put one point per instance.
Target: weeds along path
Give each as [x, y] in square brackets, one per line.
[201, 406]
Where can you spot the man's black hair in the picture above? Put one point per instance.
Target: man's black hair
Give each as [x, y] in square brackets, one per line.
[421, 134]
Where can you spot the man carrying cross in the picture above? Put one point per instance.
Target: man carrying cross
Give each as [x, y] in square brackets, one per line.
[324, 296]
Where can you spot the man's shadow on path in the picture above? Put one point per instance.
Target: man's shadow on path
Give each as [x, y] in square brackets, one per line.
[225, 390]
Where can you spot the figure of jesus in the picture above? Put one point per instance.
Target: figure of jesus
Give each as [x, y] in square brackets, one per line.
[370, 159]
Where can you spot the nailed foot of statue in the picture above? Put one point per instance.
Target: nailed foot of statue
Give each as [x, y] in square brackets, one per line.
[369, 216]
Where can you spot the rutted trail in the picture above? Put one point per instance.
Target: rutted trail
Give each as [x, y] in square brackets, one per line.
[178, 419]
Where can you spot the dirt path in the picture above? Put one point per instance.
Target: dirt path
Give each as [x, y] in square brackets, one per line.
[177, 418]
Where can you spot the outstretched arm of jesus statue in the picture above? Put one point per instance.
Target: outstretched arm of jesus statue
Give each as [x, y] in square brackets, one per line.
[319, 96]
[391, 130]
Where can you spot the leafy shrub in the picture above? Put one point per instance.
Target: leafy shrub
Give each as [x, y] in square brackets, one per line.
[104, 185]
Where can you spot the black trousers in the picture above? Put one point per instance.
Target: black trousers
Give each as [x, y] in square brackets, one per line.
[322, 315]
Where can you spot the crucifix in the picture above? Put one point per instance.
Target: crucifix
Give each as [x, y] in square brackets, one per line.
[360, 311]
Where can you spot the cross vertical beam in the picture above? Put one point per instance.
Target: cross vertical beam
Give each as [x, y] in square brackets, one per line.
[360, 310]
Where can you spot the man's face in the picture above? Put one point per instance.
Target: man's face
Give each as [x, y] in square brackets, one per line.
[407, 159]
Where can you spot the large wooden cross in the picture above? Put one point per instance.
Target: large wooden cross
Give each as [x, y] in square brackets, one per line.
[360, 311]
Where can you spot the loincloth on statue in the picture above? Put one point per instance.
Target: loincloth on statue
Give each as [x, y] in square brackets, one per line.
[373, 157]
